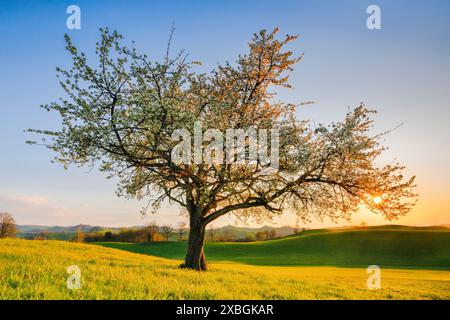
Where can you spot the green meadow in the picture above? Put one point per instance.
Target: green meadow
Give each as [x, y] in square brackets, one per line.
[319, 264]
[393, 247]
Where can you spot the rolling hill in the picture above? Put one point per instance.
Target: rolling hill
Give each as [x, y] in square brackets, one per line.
[386, 246]
[57, 232]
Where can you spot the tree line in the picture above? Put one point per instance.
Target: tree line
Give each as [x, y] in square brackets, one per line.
[152, 232]
[155, 233]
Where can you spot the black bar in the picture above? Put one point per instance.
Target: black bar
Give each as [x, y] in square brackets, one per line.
[226, 309]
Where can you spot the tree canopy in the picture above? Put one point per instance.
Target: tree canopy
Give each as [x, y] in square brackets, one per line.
[122, 112]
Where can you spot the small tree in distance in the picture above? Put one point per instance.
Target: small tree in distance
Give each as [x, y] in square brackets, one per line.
[167, 231]
[123, 111]
[108, 235]
[79, 235]
[8, 227]
[181, 230]
[150, 230]
[212, 233]
[271, 234]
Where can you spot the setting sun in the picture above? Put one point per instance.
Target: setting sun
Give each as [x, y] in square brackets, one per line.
[377, 200]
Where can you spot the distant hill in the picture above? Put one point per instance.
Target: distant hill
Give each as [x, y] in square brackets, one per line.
[385, 246]
[54, 229]
[57, 232]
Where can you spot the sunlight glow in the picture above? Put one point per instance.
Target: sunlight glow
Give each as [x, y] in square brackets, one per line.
[377, 200]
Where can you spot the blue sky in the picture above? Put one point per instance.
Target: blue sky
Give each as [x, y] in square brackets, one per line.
[401, 70]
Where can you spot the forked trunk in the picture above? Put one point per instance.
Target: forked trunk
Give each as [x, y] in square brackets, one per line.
[195, 255]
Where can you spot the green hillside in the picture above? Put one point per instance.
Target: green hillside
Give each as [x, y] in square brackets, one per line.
[31, 269]
[396, 246]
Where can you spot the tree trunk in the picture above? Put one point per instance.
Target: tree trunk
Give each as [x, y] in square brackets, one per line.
[195, 255]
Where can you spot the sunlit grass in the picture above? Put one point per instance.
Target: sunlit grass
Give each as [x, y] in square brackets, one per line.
[37, 270]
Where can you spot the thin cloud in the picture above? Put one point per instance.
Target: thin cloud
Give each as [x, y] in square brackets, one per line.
[33, 209]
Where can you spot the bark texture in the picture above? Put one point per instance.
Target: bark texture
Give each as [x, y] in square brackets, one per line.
[195, 255]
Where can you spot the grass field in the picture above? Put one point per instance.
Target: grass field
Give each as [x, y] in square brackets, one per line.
[418, 264]
[393, 247]
[37, 270]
